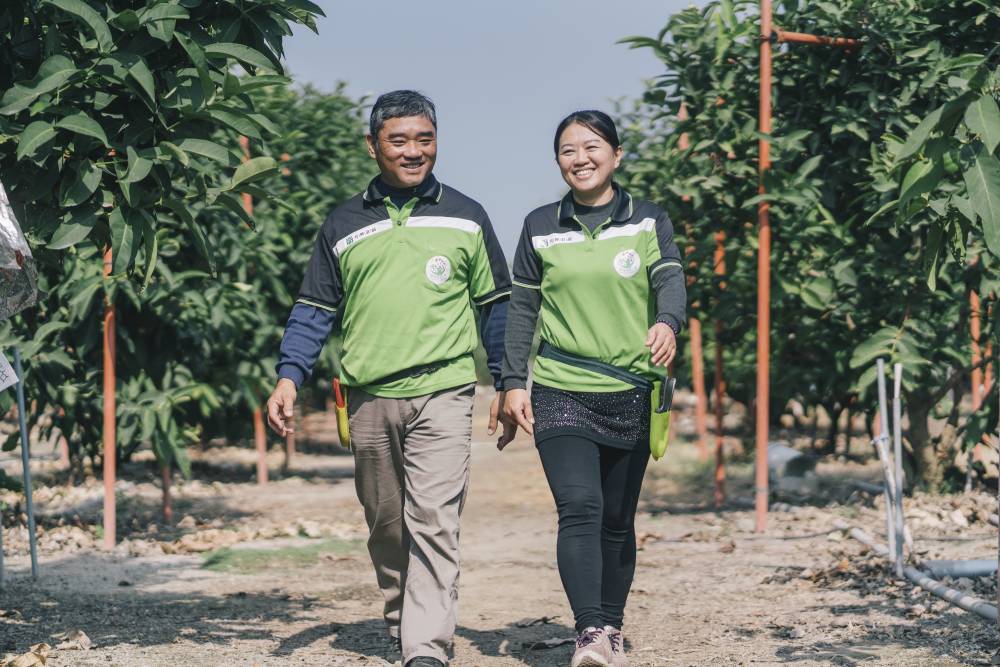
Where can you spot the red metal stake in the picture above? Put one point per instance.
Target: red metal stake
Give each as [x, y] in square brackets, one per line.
[764, 245]
[168, 506]
[763, 274]
[720, 385]
[694, 328]
[109, 414]
[975, 331]
[259, 434]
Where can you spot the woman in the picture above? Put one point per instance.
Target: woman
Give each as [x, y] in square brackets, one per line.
[602, 272]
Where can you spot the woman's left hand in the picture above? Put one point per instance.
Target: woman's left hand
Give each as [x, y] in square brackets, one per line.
[662, 344]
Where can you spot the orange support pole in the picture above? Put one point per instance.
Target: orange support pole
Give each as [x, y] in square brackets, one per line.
[763, 275]
[259, 434]
[694, 329]
[167, 504]
[698, 379]
[720, 384]
[975, 331]
[109, 455]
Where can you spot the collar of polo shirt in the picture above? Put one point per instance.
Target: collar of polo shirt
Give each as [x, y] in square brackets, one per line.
[430, 190]
[622, 212]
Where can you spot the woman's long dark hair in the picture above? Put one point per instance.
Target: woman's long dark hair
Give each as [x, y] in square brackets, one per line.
[597, 121]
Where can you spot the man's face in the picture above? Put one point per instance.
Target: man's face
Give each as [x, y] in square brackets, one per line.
[405, 150]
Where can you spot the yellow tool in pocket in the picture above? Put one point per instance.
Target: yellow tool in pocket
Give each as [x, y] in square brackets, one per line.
[662, 400]
[343, 424]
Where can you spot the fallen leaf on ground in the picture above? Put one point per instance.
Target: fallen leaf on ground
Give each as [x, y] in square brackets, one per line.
[548, 643]
[530, 622]
[728, 548]
[75, 640]
[36, 655]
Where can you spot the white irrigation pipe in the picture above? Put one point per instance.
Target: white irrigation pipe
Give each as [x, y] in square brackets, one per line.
[957, 598]
[884, 458]
[897, 436]
[960, 568]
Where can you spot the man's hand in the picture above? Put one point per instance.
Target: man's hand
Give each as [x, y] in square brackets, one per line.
[517, 410]
[280, 407]
[497, 415]
[662, 344]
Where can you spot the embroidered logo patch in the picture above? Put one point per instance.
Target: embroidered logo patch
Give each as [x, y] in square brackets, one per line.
[438, 269]
[627, 263]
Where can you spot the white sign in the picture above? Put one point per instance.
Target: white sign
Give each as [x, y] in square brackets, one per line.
[8, 378]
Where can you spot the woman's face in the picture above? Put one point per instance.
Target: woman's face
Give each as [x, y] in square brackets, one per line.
[586, 159]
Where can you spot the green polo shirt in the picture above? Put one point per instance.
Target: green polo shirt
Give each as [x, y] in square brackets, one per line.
[596, 297]
[405, 282]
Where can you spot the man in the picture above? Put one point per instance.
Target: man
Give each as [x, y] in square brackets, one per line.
[404, 268]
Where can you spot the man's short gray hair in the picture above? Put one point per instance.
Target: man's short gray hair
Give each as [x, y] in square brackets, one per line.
[400, 104]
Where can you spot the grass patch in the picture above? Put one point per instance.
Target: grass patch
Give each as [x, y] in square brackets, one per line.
[254, 560]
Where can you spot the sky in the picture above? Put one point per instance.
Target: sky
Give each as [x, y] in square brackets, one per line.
[502, 75]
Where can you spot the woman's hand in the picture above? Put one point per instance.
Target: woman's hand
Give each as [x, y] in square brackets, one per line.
[517, 409]
[497, 417]
[662, 344]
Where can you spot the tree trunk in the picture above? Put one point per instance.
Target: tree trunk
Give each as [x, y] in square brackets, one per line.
[929, 471]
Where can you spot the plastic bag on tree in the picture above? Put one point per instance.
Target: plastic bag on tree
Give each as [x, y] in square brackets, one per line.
[18, 276]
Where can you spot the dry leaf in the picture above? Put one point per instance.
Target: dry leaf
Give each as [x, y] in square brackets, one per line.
[548, 643]
[35, 657]
[75, 640]
[530, 622]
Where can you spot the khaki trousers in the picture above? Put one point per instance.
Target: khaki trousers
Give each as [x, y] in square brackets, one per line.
[411, 473]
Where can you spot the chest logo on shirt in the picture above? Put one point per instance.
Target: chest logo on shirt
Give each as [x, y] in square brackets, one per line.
[627, 263]
[438, 269]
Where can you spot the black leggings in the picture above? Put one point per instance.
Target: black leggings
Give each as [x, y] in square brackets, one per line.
[596, 489]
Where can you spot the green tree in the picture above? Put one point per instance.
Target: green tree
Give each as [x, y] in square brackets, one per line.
[847, 287]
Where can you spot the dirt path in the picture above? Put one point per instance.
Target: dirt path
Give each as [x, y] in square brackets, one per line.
[707, 590]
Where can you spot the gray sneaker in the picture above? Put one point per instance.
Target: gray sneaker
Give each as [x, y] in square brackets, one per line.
[592, 649]
[617, 642]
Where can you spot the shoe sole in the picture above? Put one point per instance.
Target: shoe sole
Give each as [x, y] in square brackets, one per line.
[593, 660]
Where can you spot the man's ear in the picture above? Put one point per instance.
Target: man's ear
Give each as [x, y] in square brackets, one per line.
[372, 145]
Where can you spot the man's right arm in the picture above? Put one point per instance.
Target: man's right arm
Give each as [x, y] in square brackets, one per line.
[306, 332]
[308, 327]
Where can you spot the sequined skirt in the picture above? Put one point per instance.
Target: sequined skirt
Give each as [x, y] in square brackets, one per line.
[615, 418]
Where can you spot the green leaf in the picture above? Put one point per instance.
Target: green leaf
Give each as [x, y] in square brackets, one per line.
[126, 20]
[123, 240]
[983, 118]
[152, 248]
[964, 206]
[90, 17]
[54, 72]
[240, 52]
[167, 147]
[236, 121]
[81, 123]
[231, 202]
[250, 83]
[35, 139]
[73, 231]
[139, 71]
[920, 179]
[253, 170]
[79, 184]
[920, 134]
[163, 12]
[138, 167]
[200, 62]
[200, 242]
[209, 149]
[982, 180]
